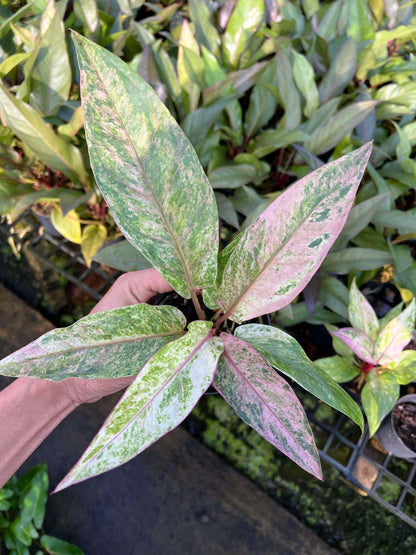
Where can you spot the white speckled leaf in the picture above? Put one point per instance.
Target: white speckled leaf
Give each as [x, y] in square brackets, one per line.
[359, 343]
[280, 251]
[395, 335]
[266, 402]
[148, 171]
[361, 313]
[106, 344]
[286, 355]
[379, 395]
[160, 398]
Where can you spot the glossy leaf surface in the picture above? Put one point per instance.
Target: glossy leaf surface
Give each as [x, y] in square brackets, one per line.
[148, 171]
[378, 397]
[280, 251]
[107, 344]
[264, 401]
[358, 342]
[361, 313]
[395, 335]
[284, 353]
[158, 400]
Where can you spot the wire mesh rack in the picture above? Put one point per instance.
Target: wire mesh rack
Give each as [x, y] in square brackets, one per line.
[359, 458]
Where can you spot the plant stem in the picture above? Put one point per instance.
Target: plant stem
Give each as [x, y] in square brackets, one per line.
[195, 300]
[219, 311]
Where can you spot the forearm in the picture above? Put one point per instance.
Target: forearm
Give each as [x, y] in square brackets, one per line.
[29, 410]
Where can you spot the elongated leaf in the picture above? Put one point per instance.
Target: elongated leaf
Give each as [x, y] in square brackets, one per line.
[304, 77]
[28, 125]
[273, 139]
[244, 21]
[288, 93]
[122, 256]
[340, 73]
[355, 259]
[358, 342]
[265, 402]
[51, 72]
[280, 251]
[338, 368]
[162, 395]
[379, 395]
[262, 102]
[396, 335]
[205, 32]
[55, 546]
[404, 367]
[361, 313]
[190, 67]
[286, 355]
[87, 11]
[107, 344]
[148, 171]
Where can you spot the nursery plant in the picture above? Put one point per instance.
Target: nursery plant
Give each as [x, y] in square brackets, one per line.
[163, 203]
[22, 512]
[373, 351]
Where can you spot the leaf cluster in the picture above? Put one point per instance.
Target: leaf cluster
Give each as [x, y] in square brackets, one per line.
[22, 512]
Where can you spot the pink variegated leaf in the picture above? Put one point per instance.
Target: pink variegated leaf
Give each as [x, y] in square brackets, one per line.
[266, 402]
[280, 251]
[361, 313]
[359, 343]
[395, 335]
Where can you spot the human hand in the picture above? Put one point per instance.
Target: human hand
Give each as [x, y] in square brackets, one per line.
[131, 288]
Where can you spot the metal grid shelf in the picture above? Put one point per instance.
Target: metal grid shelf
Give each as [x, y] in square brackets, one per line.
[361, 460]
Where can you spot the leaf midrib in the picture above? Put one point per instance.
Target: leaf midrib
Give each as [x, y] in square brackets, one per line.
[176, 245]
[152, 398]
[266, 404]
[101, 344]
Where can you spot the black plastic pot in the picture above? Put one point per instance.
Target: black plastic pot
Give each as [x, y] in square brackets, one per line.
[388, 436]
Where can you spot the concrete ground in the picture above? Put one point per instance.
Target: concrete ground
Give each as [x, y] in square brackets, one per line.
[176, 498]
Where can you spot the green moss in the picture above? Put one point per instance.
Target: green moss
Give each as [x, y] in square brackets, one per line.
[346, 520]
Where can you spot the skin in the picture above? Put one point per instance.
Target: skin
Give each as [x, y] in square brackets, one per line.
[30, 409]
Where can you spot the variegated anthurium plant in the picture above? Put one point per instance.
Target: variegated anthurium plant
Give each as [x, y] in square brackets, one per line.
[372, 350]
[162, 201]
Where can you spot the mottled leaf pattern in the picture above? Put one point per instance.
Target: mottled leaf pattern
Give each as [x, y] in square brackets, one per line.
[280, 251]
[358, 342]
[162, 395]
[148, 171]
[395, 335]
[265, 402]
[404, 367]
[107, 344]
[378, 397]
[361, 313]
[286, 355]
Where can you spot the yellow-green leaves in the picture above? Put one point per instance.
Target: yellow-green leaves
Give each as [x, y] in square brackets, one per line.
[280, 251]
[361, 313]
[148, 171]
[68, 226]
[92, 239]
[158, 400]
[379, 395]
[243, 23]
[395, 335]
[103, 345]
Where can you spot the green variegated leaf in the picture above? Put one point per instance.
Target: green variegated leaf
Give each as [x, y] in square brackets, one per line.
[107, 344]
[359, 343]
[361, 313]
[404, 367]
[243, 23]
[286, 355]
[338, 368]
[266, 402]
[163, 394]
[379, 395]
[148, 171]
[395, 335]
[280, 251]
[339, 346]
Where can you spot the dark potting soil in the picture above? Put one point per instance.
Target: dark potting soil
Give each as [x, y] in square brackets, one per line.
[404, 420]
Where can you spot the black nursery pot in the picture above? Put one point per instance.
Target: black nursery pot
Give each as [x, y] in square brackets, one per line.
[388, 436]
